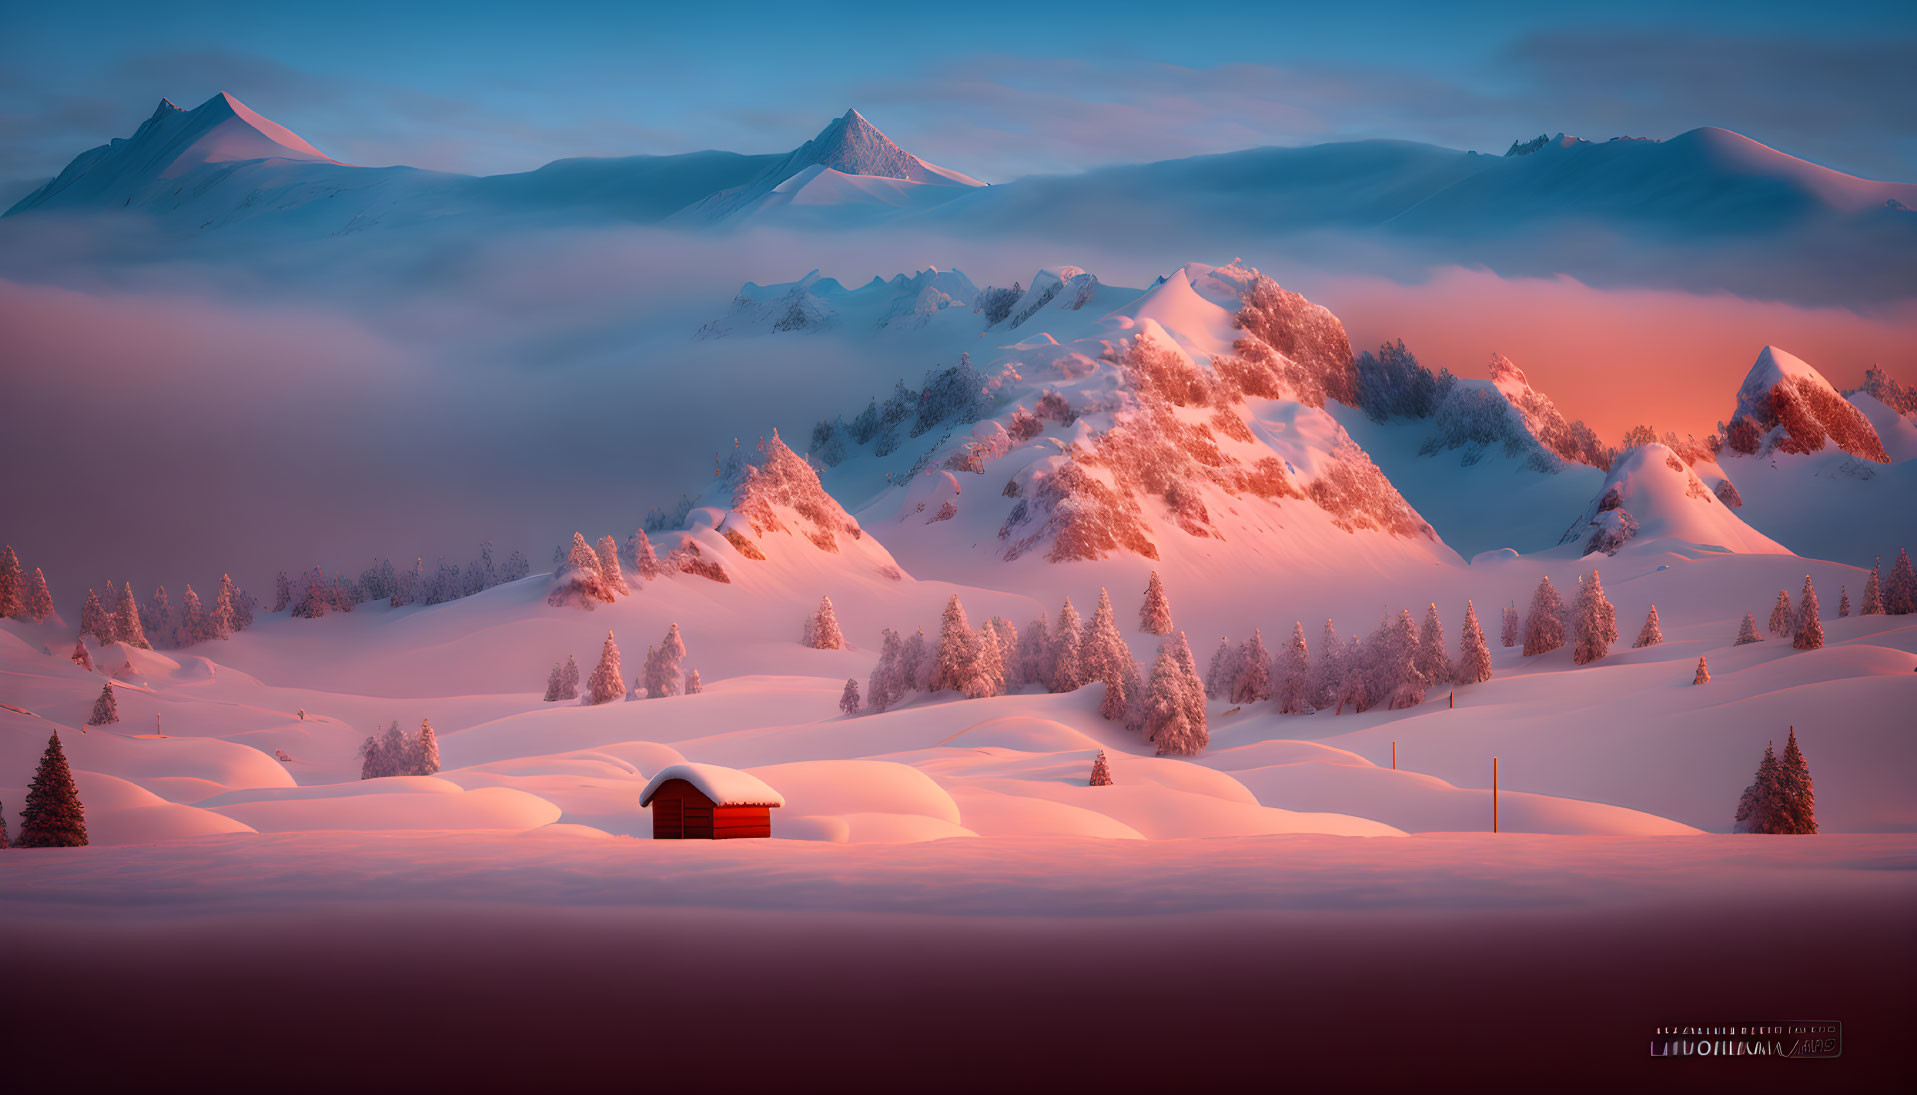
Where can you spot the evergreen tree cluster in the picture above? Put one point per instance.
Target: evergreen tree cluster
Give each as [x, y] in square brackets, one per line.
[314, 593]
[1780, 798]
[397, 753]
[589, 575]
[22, 596]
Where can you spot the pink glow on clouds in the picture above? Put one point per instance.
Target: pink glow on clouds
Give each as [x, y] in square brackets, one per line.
[1615, 357]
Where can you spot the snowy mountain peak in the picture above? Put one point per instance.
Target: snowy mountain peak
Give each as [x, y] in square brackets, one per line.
[853, 146]
[1650, 494]
[166, 107]
[1786, 405]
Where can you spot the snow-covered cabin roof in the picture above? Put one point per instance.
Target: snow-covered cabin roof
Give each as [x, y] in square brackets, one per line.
[724, 786]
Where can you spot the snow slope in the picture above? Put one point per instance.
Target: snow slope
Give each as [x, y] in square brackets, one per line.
[1650, 495]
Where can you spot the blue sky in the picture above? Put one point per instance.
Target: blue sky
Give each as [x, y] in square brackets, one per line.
[994, 89]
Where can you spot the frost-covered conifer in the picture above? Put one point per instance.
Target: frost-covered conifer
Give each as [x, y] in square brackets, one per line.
[1068, 663]
[1354, 684]
[1873, 592]
[918, 661]
[579, 580]
[282, 592]
[410, 585]
[1294, 675]
[1703, 672]
[80, 656]
[39, 602]
[1154, 616]
[425, 749]
[888, 683]
[1434, 664]
[1759, 801]
[989, 677]
[1795, 812]
[569, 680]
[955, 660]
[1474, 657]
[608, 553]
[1165, 706]
[606, 683]
[1544, 627]
[1747, 631]
[53, 816]
[517, 567]
[106, 710]
[126, 621]
[1595, 622]
[1783, 617]
[665, 675]
[1508, 631]
[223, 621]
[1327, 675]
[193, 625]
[395, 751]
[822, 628]
[1843, 601]
[156, 615]
[644, 561]
[12, 594]
[1651, 634]
[555, 683]
[1399, 680]
[1008, 644]
[1034, 651]
[1810, 624]
[1253, 681]
[1900, 592]
[94, 620]
[693, 685]
[1222, 670]
[1107, 658]
[372, 759]
[849, 699]
[1101, 772]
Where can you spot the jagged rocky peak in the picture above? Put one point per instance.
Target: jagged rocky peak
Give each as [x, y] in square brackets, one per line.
[1785, 405]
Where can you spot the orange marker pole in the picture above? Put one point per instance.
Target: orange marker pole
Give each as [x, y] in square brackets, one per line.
[1494, 794]
[1394, 756]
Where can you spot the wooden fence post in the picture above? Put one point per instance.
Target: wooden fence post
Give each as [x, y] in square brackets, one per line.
[1494, 794]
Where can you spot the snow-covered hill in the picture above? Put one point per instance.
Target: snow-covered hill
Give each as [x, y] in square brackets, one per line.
[1652, 496]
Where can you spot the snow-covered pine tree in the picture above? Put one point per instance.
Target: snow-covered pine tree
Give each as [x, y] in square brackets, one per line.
[1595, 622]
[1107, 658]
[1795, 812]
[517, 567]
[1252, 683]
[822, 628]
[1747, 631]
[1164, 704]
[1873, 592]
[1101, 772]
[1399, 679]
[955, 660]
[1434, 663]
[1810, 623]
[80, 656]
[569, 680]
[1900, 592]
[1067, 654]
[53, 817]
[1508, 632]
[1354, 666]
[106, 710]
[887, 685]
[644, 561]
[12, 592]
[1544, 627]
[849, 699]
[282, 592]
[918, 662]
[1783, 617]
[94, 620]
[1843, 601]
[693, 684]
[395, 751]
[1474, 657]
[1650, 634]
[409, 586]
[1759, 801]
[1034, 648]
[156, 615]
[1327, 675]
[425, 750]
[39, 602]
[1008, 644]
[1155, 616]
[554, 683]
[608, 552]
[193, 623]
[665, 675]
[1222, 669]
[989, 677]
[606, 683]
[1294, 675]
[1703, 672]
[372, 760]
[126, 621]
[579, 580]
[1194, 691]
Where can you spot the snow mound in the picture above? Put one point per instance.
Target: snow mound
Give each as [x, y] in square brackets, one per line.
[387, 808]
[1785, 405]
[724, 786]
[1652, 495]
[1022, 732]
[844, 788]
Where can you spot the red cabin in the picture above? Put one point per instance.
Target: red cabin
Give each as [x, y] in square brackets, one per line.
[707, 802]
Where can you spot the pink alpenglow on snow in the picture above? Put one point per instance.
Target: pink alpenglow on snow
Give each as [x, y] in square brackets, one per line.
[724, 786]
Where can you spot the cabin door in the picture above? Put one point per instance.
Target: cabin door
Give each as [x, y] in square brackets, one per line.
[668, 818]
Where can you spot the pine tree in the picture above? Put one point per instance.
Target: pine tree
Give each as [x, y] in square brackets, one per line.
[693, 685]
[1294, 675]
[1101, 772]
[1595, 622]
[193, 623]
[425, 750]
[156, 616]
[644, 561]
[1783, 617]
[1034, 648]
[1796, 810]
[664, 673]
[12, 596]
[53, 817]
[1067, 656]
[1222, 669]
[917, 661]
[1703, 672]
[1759, 802]
[1252, 683]
[1434, 664]
[822, 628]
[887, 684]
[1107, 658]
[1399, 680]
[1508, 632]
[1474, 657]
[94, 620]
[282, 592]
[1873, 592]
[126, 621]
[1154, 616]
[569, 680]
[993, 653]
[1544, 627]
[606, 684]
[849, 699]
[372, 764]
[555, 683]
[1327, 676]
[608, 553]
[395, 751]
[39, 602]
[1354, 683]
[1747, 631]
[1810, 625]
[580, 580]
[106, 710]
[1843, 601]
[955, 662]
[1651, 634]
[1900, 593]
[1173, 707]
[80, 656]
